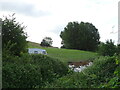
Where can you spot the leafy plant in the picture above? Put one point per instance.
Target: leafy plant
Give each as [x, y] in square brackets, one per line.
[107, 49]
[12, 31]
[115, 81]
[100, 72]
[30, 71]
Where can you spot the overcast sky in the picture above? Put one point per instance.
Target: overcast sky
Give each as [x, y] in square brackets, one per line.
[49, 17]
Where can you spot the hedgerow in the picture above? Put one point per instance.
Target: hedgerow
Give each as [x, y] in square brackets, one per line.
[30, 71]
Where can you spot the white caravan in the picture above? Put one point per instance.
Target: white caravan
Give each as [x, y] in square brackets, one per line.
[36, 51]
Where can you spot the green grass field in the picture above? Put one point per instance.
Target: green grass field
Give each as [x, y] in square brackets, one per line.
[65, 55]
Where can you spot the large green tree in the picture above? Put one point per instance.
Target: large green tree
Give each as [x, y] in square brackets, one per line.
[13, 36]
[82, 36]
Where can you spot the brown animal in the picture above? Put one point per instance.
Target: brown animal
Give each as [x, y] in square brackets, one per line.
[77, 64]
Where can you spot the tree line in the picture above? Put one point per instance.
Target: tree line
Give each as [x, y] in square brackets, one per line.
[80, 36]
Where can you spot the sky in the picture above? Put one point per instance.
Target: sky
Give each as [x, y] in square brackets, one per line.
[47, 18]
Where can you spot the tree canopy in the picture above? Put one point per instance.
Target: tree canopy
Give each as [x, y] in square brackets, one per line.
[47, 41]
[82, 36]
[13, 36]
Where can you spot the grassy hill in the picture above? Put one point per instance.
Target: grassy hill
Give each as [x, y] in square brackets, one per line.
[65, 55]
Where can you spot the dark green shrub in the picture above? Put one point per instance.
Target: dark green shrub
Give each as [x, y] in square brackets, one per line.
[107, 49]
[21, 76]
[57, 66]
[113, 82]
[118, 49]
[100, 72]
[17, 74]
[30, 71]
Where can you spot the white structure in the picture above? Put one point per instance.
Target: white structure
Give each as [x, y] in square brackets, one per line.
[0, 26]
[0, 53]
[36, 51]
[119, 22]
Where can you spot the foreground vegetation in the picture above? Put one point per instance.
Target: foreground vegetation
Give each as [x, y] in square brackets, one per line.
[23, 70]
[40, 71]
[30, 71]
[96, 76]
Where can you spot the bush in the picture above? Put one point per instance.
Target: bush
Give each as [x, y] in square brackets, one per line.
[30, 71]
[22, 76]
[107, 49]
[118, 49]
[55, 65]
[100, 72]
[114, 82]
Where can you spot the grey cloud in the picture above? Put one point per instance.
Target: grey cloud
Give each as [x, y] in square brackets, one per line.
[23, 8]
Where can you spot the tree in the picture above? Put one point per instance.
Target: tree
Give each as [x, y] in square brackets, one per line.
[118, 49]
[82, 36]
[107, 49]
[13, 36]
[47, 41]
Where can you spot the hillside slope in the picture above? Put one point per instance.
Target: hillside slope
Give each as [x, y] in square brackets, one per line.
[65, 55]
